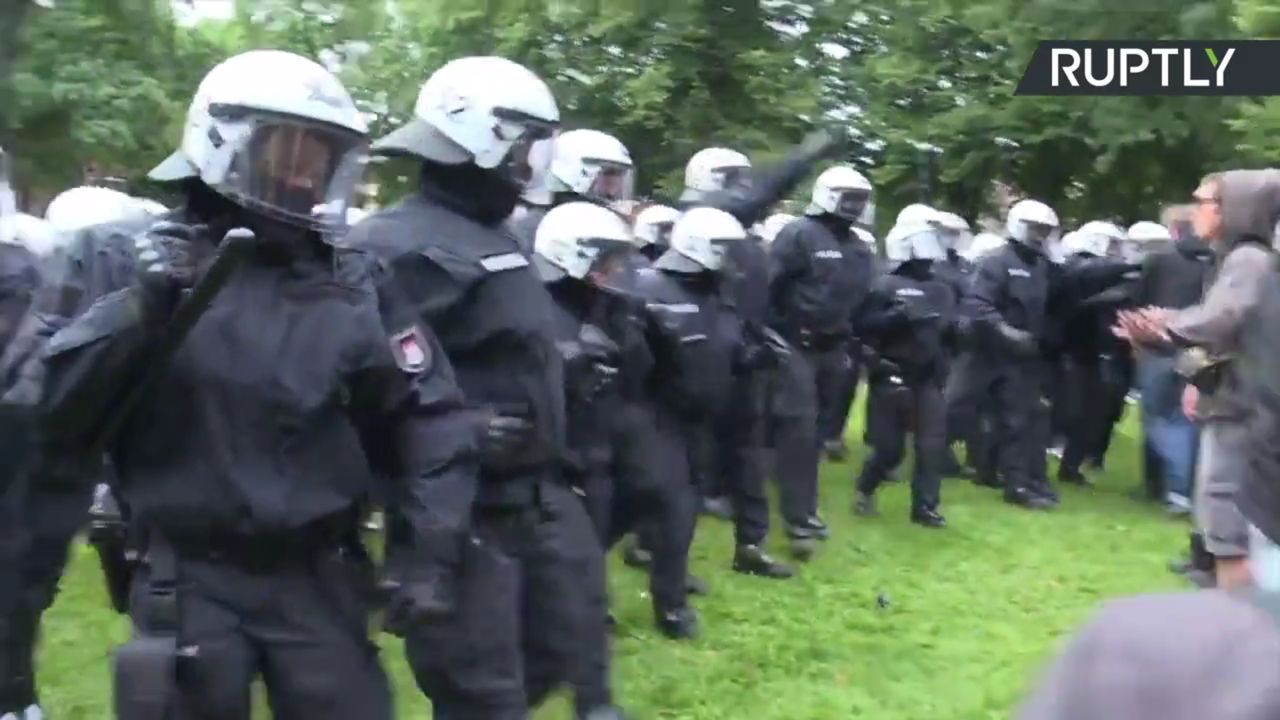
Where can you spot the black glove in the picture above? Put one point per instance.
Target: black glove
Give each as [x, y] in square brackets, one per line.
[166, 264]
[829, 142]
[924, 319]
[775, 344]
[427, 593]
[510, 441]
[1019, 342]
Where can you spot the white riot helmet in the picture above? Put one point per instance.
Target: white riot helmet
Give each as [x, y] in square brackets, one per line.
[33, 233]
[86, 206]
[714, 170]
[983, 244]
[8, 203]
[917, 213]
[773, 225]
[276, 133]
[840, 191]
[653, 226]
[1147, 231]
[956, 234]
[702, 235]
[1034, 224]
[914, 241]
[1146, 237]
[592, 164]
[580, 240]
[1098, 238]
[486, 110]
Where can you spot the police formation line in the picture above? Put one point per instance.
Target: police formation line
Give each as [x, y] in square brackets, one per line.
[514, 374]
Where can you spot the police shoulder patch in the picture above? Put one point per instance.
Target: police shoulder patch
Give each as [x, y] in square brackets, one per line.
[411, 350]
[505, 261]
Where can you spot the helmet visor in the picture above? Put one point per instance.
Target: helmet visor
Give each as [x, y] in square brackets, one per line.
[851, 203]
[1037, 234]
[613, 182]
[927, 245]
[303, 173]
[734, 179]
[611, 269]
[529, 158]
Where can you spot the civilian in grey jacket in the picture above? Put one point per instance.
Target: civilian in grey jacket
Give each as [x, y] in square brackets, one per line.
[1231, 213]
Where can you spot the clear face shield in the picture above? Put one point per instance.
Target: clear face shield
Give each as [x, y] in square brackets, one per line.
[613, 182]
[734, 179]
[528, 159]
[299, 172]
[928, 245]
[1038, 235]
[611, 268]
[851, 204]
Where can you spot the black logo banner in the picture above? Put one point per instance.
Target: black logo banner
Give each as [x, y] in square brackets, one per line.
[1168, 67]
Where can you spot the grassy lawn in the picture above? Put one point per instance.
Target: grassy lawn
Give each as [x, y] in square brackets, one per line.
[971, 611]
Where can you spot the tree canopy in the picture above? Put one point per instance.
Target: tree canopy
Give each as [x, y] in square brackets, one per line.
[925, 86]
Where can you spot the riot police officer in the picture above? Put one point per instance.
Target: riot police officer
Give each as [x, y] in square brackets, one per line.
[23, 240]
[265, 404]
[820, 275]
[908, 324]
[699, 351]
[47, 513]
[1010, 293]
[581, 252]
[1010, 298]
[585, 165]
[728, 460]
[534, 558]
[653, 230]
[1094, 360]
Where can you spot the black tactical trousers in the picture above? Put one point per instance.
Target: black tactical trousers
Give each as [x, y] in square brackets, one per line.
[734, 455]
[970, 397]
[794, 407]
[531, 610]
[893, 411]
[1024, 424]
[1086, 407]
[654, 498]
[301, 625]
[831, 424]
[38, 522]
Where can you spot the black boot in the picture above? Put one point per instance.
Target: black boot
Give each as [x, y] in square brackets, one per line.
[636, 556]
[865, 505]
[1073, 477]
[1027, 499]
[835, 450]
[928, 517]
[817, 527]
[751, 560]
[679, 624]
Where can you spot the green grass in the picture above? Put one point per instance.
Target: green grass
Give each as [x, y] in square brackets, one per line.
[973, 611]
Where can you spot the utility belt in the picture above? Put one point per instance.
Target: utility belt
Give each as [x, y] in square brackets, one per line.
[264, 552]
[818, 340]
[145, 669]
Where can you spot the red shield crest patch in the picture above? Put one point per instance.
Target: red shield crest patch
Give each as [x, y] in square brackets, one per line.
[411, 351]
